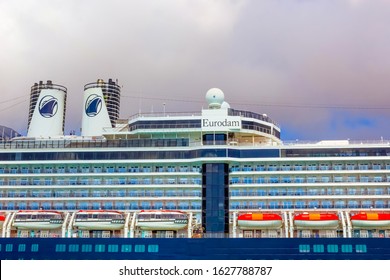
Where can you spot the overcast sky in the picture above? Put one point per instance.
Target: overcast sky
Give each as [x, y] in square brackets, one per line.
[321, 69]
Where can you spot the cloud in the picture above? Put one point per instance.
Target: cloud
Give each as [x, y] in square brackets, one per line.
[294, 60]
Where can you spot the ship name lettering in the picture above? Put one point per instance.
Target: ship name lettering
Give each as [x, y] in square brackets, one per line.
[224, 123]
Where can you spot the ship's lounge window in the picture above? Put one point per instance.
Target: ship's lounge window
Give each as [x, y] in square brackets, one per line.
[139, 248]
[125, 248]
[86, 248]
[318, 248]
[303, 248]
[332, 248]
[113, 248]
[346, 248]
[60, 248]
[100, 248]
[361, 248]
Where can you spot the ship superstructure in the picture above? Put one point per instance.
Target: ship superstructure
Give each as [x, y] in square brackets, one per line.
[221, 172]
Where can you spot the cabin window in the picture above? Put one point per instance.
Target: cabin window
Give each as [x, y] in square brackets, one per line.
[153, 248]
[100, 248]
[73, 248]
[303, 248]
[60, 248]
[113, 248]
[9, 247]
[332, 248]
[361, 248]
[139, 248]
[318, 248]
[126, 248]
[346, 248]
[34, 247]
[86, 248]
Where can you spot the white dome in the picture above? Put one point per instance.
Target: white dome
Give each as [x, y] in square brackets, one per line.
[225, 105]
[215, 97]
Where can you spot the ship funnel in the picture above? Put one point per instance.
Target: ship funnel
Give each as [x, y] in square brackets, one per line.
[100, 107]
[47, 110]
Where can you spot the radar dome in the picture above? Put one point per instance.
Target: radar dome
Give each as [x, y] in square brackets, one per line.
[225, 105]
[215, 98]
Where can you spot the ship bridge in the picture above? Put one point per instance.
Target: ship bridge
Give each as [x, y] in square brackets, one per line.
[217, 125]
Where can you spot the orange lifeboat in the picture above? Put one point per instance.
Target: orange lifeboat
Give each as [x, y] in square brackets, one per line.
[371, 220]
[316, 220]
[259, 221]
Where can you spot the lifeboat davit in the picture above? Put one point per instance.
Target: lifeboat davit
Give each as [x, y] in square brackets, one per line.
[371, 220]
[259, 221]
[162, 220]
[38, 219]
[99, 220]
[316, 220]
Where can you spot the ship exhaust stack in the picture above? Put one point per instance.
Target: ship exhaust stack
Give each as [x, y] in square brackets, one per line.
[100, 107]
[47, 110]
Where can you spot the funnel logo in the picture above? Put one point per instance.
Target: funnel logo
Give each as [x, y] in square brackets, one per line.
[93, 105]
[48, 106]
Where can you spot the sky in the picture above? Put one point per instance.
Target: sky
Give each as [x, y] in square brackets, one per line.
[319, 68]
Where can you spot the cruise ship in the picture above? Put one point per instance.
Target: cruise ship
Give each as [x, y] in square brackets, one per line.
[214, 184]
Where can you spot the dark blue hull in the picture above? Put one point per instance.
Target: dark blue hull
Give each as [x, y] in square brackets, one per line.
[194, 249]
